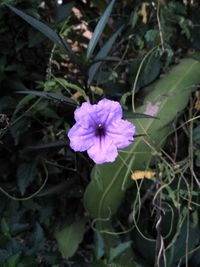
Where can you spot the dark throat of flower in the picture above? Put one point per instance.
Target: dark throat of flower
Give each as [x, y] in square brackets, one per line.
[100, 130]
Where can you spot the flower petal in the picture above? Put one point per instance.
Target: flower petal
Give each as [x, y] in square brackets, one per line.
[103, 150]
[81, 139]
[121, 132]
[86, 115]
[108, 110]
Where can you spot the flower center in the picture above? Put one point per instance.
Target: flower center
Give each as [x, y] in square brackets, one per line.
[100, 130]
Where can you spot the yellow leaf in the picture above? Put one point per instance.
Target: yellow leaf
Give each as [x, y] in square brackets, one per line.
[137, 175]
[143, 12]
[97, 90]
[76, 95]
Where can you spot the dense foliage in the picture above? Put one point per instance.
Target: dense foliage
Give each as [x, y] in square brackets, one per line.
[57, 207]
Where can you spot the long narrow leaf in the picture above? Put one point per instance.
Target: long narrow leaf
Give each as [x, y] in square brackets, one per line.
[54, 144]
[50, 96]
[43, 28]
[102, 54]
[136, 115]
[99, 29]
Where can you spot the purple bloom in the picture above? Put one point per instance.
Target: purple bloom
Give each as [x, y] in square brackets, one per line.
[100, 130]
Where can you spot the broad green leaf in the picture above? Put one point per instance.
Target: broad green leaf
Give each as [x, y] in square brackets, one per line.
[25, 174]
[126, 259]
[178, 250]
[70, 237]
[169, 95]
[104, 51]
[12, 261]
[46, 30]
[99, 29]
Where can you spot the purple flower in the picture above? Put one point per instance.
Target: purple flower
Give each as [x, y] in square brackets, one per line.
[100, 130]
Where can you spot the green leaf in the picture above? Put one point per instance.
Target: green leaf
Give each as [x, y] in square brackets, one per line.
[46, 30]
[196, 134]
[151, 69]
[178, 250]
[18, 128]
[169, 95]
[54, 144]
[125, 259]
[54, 190]
[99, 245]
[102, 54]
[69, 238]
[5, 229]
[99, 264]
[25, 100]
[49, 113]
[115, 252]
[135, 115]
[197, 158]
[4, 254]
[25, 174]
[37, 239]
[51, 96]
[67, 85]
[12, 261]
[195, 260]
[99, 29]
